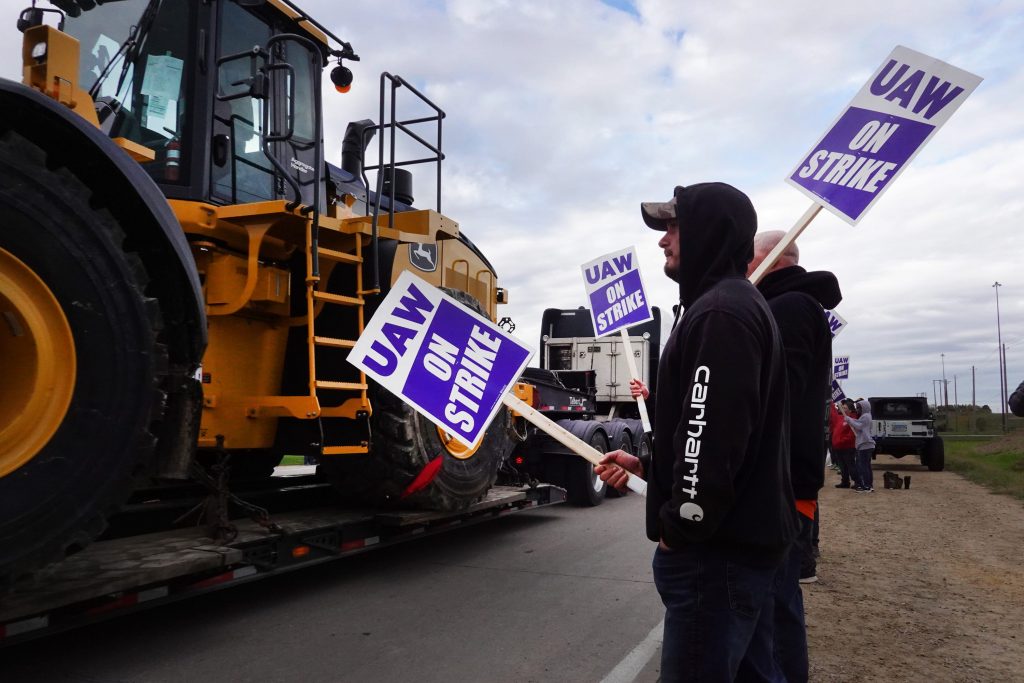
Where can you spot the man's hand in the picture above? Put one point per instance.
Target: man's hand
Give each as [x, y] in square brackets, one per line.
[638, 388]
[614, 467]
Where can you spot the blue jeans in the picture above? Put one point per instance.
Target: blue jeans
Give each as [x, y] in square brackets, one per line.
[864, 473]
[845, 459]
[718, 616]
[790, 628]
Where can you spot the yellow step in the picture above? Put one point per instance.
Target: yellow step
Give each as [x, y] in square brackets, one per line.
[344, 450]
[334, 342]
[340, 256]
[340, 386]
[338, 299]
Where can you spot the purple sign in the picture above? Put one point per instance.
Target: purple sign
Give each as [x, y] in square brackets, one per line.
[837, 392]
[466, 368]
[445, 360]
[615, 291]
[858, 158]
[888, 122]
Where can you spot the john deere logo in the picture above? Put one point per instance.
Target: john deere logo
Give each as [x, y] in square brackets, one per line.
[423, 256]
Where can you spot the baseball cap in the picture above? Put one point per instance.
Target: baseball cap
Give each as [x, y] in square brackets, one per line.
[657, 214]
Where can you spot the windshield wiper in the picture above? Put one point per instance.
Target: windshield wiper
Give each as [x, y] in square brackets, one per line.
[130, 49]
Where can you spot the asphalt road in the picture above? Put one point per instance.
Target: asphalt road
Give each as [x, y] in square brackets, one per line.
[555, 594]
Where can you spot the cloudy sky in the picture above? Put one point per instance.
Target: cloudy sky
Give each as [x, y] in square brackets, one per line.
[563, 116]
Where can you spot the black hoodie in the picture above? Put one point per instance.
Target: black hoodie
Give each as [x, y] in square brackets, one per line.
[720, 472]
[797, 299]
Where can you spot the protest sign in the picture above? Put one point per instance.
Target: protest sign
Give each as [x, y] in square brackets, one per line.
[837, 392]
[617, 301]
[450, 364]
[444, 359]
[835, 322]
[841, 367]
[908, 98]
[616, 292]
[883, 128]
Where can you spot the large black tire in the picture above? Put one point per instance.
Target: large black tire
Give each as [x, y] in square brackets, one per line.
[584, 488]
[936, 455]
[58, 500]
[619, 438]
[403, 442]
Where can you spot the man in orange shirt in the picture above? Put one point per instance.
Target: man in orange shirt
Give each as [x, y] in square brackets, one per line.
[797, 299]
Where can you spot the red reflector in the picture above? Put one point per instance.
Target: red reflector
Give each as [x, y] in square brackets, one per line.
[520, 460]
[300, 551]
[123, 601]
[353, 545]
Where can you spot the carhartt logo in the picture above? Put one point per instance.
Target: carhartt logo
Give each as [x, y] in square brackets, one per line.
[694, 432]
[691, 511]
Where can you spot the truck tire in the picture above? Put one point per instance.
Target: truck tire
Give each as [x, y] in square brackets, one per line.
[584, 488]
[619, 438]
[403, 442]
[936, 455]
[82, 392]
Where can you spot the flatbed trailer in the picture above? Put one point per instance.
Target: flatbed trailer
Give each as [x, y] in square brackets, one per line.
[124, 575]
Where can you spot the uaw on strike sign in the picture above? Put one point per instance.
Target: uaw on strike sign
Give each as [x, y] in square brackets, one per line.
[896, 112]
[444, 359]
[616, 292]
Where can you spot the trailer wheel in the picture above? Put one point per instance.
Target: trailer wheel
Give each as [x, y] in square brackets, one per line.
[936, 459]
[619, 438]
[585, 488]
[403, 442]
[83, 363]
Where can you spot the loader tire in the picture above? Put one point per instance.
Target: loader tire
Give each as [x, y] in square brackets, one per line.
[403, 442]
[92, 354]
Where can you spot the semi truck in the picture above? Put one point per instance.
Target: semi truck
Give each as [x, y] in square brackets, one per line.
[583, 383]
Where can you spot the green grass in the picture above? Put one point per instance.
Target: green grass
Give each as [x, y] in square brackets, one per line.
[291, 460]
[1001, 471]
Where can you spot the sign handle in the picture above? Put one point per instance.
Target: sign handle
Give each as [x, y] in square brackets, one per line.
[628, 352]
[566, 438]
[784, 243]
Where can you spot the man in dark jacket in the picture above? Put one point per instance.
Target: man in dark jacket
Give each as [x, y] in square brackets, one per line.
[719, 499]
[798, 299]
[1016, 401]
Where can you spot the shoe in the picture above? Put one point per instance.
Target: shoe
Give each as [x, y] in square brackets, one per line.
[860, 489]
[809, 579]
[842, 486]
[869, 490]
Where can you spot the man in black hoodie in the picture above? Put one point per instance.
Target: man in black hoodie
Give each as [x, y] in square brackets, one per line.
[719, 500]
[797, 300]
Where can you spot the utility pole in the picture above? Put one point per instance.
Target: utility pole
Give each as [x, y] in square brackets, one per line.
[956, 408]
[945, 385]
[999, 352]
[1006, 389]
[974, 400]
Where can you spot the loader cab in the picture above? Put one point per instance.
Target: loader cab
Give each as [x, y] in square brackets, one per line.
[181, 77]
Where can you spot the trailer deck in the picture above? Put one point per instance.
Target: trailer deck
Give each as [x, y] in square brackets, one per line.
[123, 575]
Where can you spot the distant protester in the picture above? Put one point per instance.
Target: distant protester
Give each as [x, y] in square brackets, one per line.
[844, 446]
[1017, 401]
[860, 422]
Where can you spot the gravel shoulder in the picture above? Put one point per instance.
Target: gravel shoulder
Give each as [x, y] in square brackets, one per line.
[925, 584]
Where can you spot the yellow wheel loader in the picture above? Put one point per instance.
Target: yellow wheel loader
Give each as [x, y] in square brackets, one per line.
[182, 273]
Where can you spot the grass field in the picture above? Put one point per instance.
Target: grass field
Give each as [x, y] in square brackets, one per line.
[997, 464]
[291, 460]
